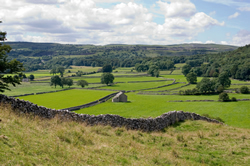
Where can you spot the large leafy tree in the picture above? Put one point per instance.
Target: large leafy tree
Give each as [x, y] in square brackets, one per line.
[107, 78]
[186, 69]
[60, 70]
[82, 83]
[191, 78]
[8, 67]
[107, 69]
[224, 80]
[154, 71]
[56, 80]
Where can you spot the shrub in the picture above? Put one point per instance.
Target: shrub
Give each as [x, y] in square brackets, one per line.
[244, 90]
[224, 97]
[234, 99]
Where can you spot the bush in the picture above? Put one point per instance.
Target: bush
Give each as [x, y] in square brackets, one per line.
[224, 97]
[234, 99]
[244, 90]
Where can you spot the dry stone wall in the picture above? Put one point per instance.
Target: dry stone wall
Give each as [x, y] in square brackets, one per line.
[146, 125]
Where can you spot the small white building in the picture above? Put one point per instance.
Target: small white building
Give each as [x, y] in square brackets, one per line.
[25, 80]
[120, 97]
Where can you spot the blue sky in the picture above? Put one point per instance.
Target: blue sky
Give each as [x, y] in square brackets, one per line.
[103, 22]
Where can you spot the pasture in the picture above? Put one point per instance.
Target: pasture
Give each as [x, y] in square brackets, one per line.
[65, 99]
[177, 72]
[136, 86]
[235, 114]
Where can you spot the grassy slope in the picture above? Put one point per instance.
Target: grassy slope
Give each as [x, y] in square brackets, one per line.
[32, 141]
[65, 99]
[234, 113]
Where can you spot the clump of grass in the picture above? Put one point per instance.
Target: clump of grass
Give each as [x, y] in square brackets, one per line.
[29, 140]
[216, 118]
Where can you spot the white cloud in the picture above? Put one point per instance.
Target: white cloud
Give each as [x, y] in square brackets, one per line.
[177, 8]
[241, 38]
[230, 2]
[247, 9]
[82, 21]
[224, 42]
[209, 42]
[235, 15]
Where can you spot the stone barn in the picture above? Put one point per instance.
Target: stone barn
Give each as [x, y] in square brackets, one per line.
[120, 97]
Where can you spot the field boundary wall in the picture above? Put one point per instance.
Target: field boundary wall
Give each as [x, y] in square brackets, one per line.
[146, 125]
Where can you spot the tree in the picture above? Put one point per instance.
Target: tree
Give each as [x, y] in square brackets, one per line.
[244, 90]
[31, 77]
[205, 85]
[107, 78]
[224, 97]
[8, 67]
[82, 83]
[56, 80]
[224, 80]
[186, 69]
[66, 81]
[53, 71]
[60, 70]
[154, 71]
[70, 82]
[191, 78]
[107, 69]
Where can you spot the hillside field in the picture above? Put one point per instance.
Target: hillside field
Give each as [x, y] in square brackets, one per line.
[29, 140]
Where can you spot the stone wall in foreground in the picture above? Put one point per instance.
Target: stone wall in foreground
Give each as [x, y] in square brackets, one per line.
[149, 124]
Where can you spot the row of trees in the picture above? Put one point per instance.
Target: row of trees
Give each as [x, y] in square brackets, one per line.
[56, 80]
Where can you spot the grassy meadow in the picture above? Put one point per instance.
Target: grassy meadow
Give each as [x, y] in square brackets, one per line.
[65, 99]
[28, 140]
[136, 86]
[235, 114]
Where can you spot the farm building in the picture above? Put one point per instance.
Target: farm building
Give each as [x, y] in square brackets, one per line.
[120, 97]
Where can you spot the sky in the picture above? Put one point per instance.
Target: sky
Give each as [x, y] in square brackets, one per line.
[151, 22]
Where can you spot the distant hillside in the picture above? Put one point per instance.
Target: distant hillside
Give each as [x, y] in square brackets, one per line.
[28, 49]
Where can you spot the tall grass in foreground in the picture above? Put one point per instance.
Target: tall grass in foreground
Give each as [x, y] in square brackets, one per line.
[29, 140]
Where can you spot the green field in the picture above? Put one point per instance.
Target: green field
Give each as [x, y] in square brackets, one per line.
[136, 86]
[167, 87]
[27, 87]
[233, 113]
[165, 72]
[65, 99]
[177, 72]
[178, 78]
[179, 64]
[118, 79]
[117, 74]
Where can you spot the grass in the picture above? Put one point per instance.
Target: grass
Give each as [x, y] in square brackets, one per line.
[180, 64]
[136, 86]
[165, 72]
[178, 78]
[118, 79]
[27, 87]
[28, 140]
[167, 87]
[235, 114]
[65, 99]
[177, 72]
